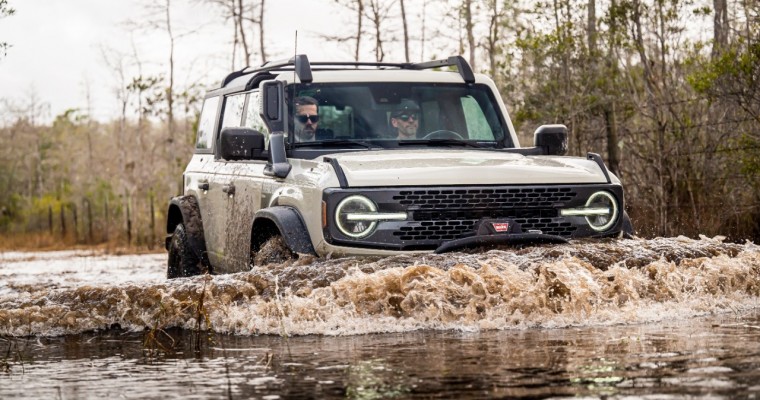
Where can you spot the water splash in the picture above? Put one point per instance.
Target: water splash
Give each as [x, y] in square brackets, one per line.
[578, 284]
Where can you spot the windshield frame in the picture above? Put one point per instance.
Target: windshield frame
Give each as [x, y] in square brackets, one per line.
[493, 114]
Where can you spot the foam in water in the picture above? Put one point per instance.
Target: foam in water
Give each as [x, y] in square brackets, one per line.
[579, 284]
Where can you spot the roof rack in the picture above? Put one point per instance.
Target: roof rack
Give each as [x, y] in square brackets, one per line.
[302, 67]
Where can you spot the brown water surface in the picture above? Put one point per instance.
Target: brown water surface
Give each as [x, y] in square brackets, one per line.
[663, 318]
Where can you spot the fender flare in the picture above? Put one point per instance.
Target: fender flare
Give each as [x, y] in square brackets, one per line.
[185, 210]
[288, 221]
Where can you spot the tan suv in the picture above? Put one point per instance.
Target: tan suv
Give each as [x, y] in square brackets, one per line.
[347, 158]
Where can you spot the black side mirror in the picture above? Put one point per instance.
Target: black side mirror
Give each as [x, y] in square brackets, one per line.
[552, 138]
[278, 164]
[273, 109]
[240, 144]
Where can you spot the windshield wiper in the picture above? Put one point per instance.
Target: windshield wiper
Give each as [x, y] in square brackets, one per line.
[334, 143]
[441, 142]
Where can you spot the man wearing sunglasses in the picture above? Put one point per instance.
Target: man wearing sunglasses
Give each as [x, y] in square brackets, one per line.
[406, 119]
[306, 118]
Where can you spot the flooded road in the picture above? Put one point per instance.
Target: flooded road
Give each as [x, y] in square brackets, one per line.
[662, 318]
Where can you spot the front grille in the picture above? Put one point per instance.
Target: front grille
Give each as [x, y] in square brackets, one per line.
[475, 198]
[453, 214]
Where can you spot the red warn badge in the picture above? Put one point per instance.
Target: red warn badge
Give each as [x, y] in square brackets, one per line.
[500, 226]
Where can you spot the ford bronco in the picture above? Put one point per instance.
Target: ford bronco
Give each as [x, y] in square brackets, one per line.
[355, 158]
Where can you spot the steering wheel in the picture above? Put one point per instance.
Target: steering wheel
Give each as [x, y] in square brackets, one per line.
[442, 134]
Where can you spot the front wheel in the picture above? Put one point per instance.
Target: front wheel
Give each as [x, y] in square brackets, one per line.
[273, 251]
[183, 260]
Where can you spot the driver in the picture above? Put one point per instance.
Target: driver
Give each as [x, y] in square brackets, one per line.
[306, 118]
[405, 119]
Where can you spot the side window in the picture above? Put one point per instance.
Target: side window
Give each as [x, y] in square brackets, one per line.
[233, 111]
[206, 123]
[477, 123]
[252, 118]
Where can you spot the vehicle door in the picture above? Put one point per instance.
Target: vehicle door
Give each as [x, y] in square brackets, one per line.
[238, 185]
[218, 195]
[199, 172]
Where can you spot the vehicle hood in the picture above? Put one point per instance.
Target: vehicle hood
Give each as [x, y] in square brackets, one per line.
[463, 167]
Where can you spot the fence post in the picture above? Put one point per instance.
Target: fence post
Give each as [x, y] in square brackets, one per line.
[108, 223]
[129, 223]
[152, 222]
[63, 221]
[76, 221]
[86, 202]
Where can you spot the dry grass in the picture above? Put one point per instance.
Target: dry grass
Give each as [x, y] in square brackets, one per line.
[47, 242]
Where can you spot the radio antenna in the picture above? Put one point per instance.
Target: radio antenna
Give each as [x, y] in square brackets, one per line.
[295, 54]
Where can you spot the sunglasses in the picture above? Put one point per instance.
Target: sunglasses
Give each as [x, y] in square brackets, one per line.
[303, 118]
[407, 117]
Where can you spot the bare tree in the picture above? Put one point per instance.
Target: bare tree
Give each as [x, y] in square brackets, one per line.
[466, 15]
[406, 30]
[720, 27]
[244, 15]
[5, 11]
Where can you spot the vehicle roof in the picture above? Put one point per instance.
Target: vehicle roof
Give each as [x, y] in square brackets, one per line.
[369, 75]
[301, 70]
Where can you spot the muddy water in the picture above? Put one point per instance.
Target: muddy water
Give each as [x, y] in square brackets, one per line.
[660, 318]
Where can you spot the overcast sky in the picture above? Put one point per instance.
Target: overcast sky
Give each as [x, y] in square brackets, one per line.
[57, 46]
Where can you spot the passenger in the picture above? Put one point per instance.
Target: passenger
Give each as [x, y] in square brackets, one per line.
[306, 118]
[405, 119]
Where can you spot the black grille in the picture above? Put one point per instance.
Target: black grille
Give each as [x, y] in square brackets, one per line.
[453, 214]
[478, 198]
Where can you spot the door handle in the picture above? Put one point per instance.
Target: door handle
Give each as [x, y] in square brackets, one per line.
[229, 189]
[203, 185]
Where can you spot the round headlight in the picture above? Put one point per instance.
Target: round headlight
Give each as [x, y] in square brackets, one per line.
[352, 205]
[603, 220]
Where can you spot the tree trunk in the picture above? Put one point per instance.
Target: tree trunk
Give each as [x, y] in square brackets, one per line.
[493, 38]
[89, 220]
[238, 16]
[152, 222]
[406, 31]
[63, 221]
[422, 36]
[468, 27]
[613, 155]
[359, 20]
[591, 29]
[107, 228]
[170, 88]
[720, 27]
[129, 222]
[261, 33]
[75, 219]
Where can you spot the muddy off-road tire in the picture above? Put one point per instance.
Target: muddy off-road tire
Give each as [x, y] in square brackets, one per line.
[183, 261]
[273, 251]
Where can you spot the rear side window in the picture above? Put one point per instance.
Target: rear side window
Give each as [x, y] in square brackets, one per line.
[206, 123]
[233, 111]
[252, 118]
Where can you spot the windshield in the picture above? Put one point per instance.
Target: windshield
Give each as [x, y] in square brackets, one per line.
[395, 113]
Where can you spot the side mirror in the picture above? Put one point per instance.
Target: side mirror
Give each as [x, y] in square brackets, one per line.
[273, 108]
[552, 138]
[240, 144]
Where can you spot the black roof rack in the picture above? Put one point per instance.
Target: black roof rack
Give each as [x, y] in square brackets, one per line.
[302, 67]
[454, 61]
